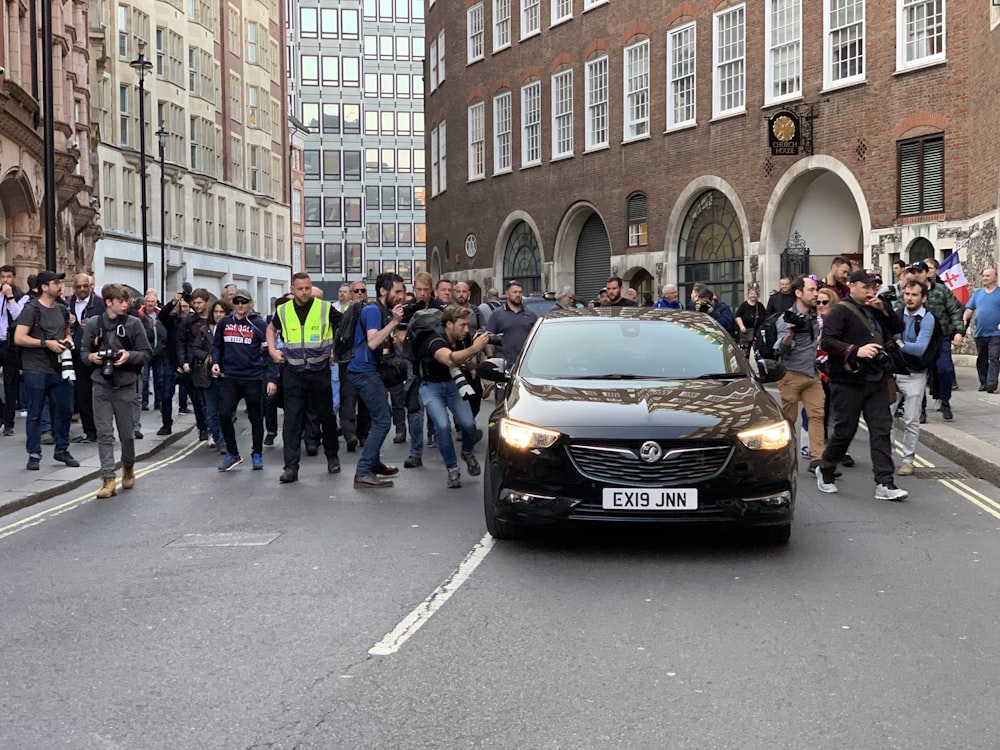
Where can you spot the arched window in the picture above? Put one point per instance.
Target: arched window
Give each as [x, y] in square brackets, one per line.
[522, 261]
[710, 248]
[638, 211]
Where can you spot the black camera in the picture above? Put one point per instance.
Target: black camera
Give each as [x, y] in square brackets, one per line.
[186, 291]
[888, 295]
[794, 318]
[108, 359]
[703, 307]
[495, 339]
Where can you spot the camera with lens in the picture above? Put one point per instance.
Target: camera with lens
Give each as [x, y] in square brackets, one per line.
[108, 359]
[495, 339]
[888, 295]
[794, 318]
[186, 291]
[704, 307]
[458, 378]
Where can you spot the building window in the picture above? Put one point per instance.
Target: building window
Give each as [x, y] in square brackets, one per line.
[331, 118]
[522, 261]
[474, 30]
[440, 57]
[844, 27]
[330, 67]
[252, 43]
[597, 103]
[312, 258]
[681, 81]
[331, 211]
[123, 114]
[332, 257]
[331, 165]
[501, 24]
[710, 248]
[352, 212]
[352, 166]
[439, 181]
[432, 65]
[636, 86]
[501, 133]
[783, 31]
[530, 18]
[562, 10]
[638, 228]
[309, 22]
[562, 114]
[477, 141]
[309, 67]
[531, 124]
[310, 164]
[921, 176]
[329, 23]
[921, 33]
[312, 205]
[729, 61]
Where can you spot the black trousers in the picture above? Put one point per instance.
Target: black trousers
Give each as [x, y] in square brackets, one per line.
[355, 421]
[303, 391]
[83, 392]
[848, 401]
[231, 390]
[11, 381]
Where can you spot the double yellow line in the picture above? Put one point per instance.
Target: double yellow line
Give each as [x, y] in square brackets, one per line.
[42, 516]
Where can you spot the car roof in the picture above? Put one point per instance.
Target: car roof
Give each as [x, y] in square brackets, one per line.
[636, 313]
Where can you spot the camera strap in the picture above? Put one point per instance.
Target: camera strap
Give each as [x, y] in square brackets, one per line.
[879, 339]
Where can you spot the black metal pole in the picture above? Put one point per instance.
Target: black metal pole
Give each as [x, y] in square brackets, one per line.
[142, 170]
[48, 138]
[162, 135]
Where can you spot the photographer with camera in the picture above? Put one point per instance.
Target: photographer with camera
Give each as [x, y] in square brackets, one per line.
[855, 333]
[115, 344]
[42, 335]
[445, 388]
[719, 311]
[798, 339]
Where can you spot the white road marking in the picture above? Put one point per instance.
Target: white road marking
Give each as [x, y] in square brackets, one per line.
[410, 624]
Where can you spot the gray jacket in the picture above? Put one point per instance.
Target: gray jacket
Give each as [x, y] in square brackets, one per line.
[125, 332]
[800, 354]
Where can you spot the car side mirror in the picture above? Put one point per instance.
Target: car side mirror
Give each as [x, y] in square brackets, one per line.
[770, 370]
[493, 369]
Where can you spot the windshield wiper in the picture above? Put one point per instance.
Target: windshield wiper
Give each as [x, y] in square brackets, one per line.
[616, 376]
[719, 376]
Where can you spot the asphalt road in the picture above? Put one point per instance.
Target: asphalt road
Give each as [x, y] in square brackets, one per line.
[875, 628]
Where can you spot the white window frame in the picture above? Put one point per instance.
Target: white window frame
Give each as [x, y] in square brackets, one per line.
[729, 61]
[435, 187]
[596, 125]
[783, 40]
[501, 24]
[635, 91]
[476, 38]
[907, 25]
[682, 82]
[588, 4]
[477, 141]
[531, 124]
[531, 18]
[830, 31]
[432, 65]
[440, 57]
[561, 11]
[562, 114]
[503, 159]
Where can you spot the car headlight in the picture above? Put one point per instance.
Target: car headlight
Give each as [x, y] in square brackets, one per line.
[525, 436]
[768, 438]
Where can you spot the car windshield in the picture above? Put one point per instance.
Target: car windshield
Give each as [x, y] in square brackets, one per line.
[615, 349]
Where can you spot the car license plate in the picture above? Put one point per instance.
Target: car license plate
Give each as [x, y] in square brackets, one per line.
[634, 498]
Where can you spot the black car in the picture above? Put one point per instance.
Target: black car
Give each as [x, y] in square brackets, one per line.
[637, 415]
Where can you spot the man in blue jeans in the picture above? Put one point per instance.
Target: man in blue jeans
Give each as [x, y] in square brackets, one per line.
[42, 332]
[440, 360]
[376, 326]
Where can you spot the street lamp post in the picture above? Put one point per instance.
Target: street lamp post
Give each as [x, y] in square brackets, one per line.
[162, 134]
[141, 65]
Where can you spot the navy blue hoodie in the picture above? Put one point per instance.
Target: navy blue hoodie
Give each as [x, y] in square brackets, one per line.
[238, 347]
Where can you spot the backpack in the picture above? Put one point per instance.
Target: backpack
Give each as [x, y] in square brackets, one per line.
[931, 353]
[343, 341]
[422, 326]
[767, 336]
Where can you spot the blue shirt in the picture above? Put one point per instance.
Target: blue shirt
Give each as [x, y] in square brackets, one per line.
[987, 307]
[916, 344]
[515, 327]
[364, 359]
[664, 305]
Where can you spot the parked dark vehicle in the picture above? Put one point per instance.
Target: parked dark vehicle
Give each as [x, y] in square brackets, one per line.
[637, 415]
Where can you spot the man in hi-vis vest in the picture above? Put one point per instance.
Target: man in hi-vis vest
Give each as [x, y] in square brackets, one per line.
[307, 327]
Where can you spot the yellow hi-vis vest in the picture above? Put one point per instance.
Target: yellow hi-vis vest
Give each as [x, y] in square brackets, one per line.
[306, 347]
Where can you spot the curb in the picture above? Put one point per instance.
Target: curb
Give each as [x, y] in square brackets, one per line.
[26, 501]
[976, 456]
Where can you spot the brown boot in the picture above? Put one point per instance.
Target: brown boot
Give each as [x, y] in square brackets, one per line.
[128, 477]
[108, 488]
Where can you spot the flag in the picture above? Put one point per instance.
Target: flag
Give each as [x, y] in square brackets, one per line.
[953, 276]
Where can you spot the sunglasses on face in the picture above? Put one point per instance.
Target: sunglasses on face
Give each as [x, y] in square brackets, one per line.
[240, 301]
[357, 291]
[823, 302]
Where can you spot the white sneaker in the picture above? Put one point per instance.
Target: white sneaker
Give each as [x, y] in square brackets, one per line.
[890, 492]
[828, 487]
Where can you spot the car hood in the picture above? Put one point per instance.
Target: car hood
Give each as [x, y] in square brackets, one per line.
[662, 409]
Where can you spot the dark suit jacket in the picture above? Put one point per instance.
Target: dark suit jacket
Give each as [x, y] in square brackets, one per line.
[95, 306]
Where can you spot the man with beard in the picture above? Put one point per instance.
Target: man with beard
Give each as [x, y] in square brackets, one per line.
[83, 305]
[513, 321]
[782, 299]
[615, 298]
[415, 421]
[836, 279]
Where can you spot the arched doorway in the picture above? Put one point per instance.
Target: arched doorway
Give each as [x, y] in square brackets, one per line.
[593, 259]
[710, 248]
[642, 281]
[919, 249]
[521, 261]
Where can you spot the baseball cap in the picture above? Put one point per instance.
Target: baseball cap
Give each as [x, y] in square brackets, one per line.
[919, 266]
[865, 275]
[244, 293]
[44, 277]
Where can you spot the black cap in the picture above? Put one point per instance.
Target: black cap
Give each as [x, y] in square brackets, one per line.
[919, 266]
[44, 277]
[866, 276]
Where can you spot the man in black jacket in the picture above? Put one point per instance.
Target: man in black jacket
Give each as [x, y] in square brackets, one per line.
[854, 336]
[83, 305]
[12, 301]
[194, 346]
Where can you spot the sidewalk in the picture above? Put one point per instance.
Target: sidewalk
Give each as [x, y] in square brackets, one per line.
[972, 441]
[23, 488]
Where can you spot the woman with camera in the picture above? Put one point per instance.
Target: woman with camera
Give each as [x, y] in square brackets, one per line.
[749, 318]
[116, 344]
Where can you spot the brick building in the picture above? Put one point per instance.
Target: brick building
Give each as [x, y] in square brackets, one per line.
[572, 139]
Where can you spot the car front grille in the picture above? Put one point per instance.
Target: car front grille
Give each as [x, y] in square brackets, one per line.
[682, 464]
